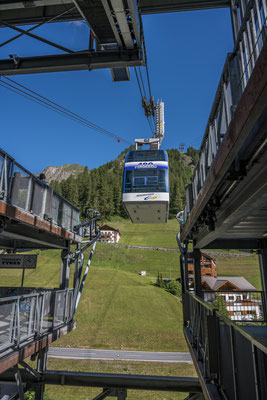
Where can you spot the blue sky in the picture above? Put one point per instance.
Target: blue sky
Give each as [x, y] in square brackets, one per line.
[186, 53]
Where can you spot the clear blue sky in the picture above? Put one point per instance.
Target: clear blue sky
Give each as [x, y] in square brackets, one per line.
[186, 53]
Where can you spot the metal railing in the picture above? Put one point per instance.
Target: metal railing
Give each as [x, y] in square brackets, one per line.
[229, 355]
[32, 315]
[250, 37]
[22, 189]
[243, 306]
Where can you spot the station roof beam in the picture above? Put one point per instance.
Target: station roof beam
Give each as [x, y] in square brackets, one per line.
[71, 62]
[162, 6]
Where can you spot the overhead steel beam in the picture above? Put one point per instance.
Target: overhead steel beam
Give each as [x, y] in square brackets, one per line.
[72, 62]
[124, 20]
[163, 6]
[95, 16]
[240, 244]
[114, 381]
[146, 6]
[28, 33]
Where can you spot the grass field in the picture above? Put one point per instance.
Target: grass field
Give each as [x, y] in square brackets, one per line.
[122, 310]
[248, 267]
[135, 260]
[154, 235]
[119, 367]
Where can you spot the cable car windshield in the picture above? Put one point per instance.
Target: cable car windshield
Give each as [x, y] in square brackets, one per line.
[146, 180]
[146, 155]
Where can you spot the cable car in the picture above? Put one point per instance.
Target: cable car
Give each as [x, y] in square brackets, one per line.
[146, 186]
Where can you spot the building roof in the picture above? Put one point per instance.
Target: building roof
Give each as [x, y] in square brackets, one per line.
[217, 283]
[108, 228]
[209, 257]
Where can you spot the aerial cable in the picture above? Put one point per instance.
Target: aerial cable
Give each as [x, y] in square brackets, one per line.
[137, 78]
[41, 100]
[20, 92]
[141, 78]
[53, 108]
[59, 107]
[69, 116]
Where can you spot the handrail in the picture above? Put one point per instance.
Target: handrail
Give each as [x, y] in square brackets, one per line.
[34, 314]
[229, 322]
[236, 72]
[24, 190]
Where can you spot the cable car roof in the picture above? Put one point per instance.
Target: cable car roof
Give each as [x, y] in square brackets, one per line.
[146, 155]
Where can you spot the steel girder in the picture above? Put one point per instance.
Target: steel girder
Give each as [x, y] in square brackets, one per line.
[71, 62]
[114, 381]
[113, 24]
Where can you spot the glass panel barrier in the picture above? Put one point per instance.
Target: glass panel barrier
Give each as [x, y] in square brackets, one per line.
[60, 303]
[6, 323]
[66, 215]
[39, 192]
[20, 188]
[48, 307]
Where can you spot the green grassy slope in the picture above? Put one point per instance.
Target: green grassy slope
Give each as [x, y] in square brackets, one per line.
[248, 267]
[135, 260]
[154, 235]
[122, 310]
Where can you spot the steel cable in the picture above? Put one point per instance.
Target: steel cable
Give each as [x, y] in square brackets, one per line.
[45, 102]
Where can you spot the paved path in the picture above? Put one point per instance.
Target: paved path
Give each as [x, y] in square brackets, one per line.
[93, 354]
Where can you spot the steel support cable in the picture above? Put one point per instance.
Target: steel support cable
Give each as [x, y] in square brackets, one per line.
[57, 108]
[144, 46]
[137, 78]
[50, 107]
[142, 96]
[64, 109]
[142, 82]
[151, 124]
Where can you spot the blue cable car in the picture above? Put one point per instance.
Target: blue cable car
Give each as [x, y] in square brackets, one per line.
[146, 186]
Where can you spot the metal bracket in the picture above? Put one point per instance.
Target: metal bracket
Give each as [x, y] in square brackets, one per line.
[121, 394]
[19, 382]
[31, 371]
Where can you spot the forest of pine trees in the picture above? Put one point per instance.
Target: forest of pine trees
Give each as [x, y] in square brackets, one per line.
[101, 188]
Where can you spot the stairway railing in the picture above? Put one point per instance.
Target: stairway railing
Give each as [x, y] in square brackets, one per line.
[230, 356]
[32, 315]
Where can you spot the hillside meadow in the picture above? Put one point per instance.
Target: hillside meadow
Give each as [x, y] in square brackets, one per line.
[154, 235]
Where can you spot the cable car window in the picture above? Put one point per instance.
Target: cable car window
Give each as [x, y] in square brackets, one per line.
[148, 180]
[146, 155]
[152, 180]
[139, 181]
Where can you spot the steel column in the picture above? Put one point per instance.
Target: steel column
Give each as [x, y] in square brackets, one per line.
[197, 272]
[65, 269]
[263, 272]
[41, 368]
